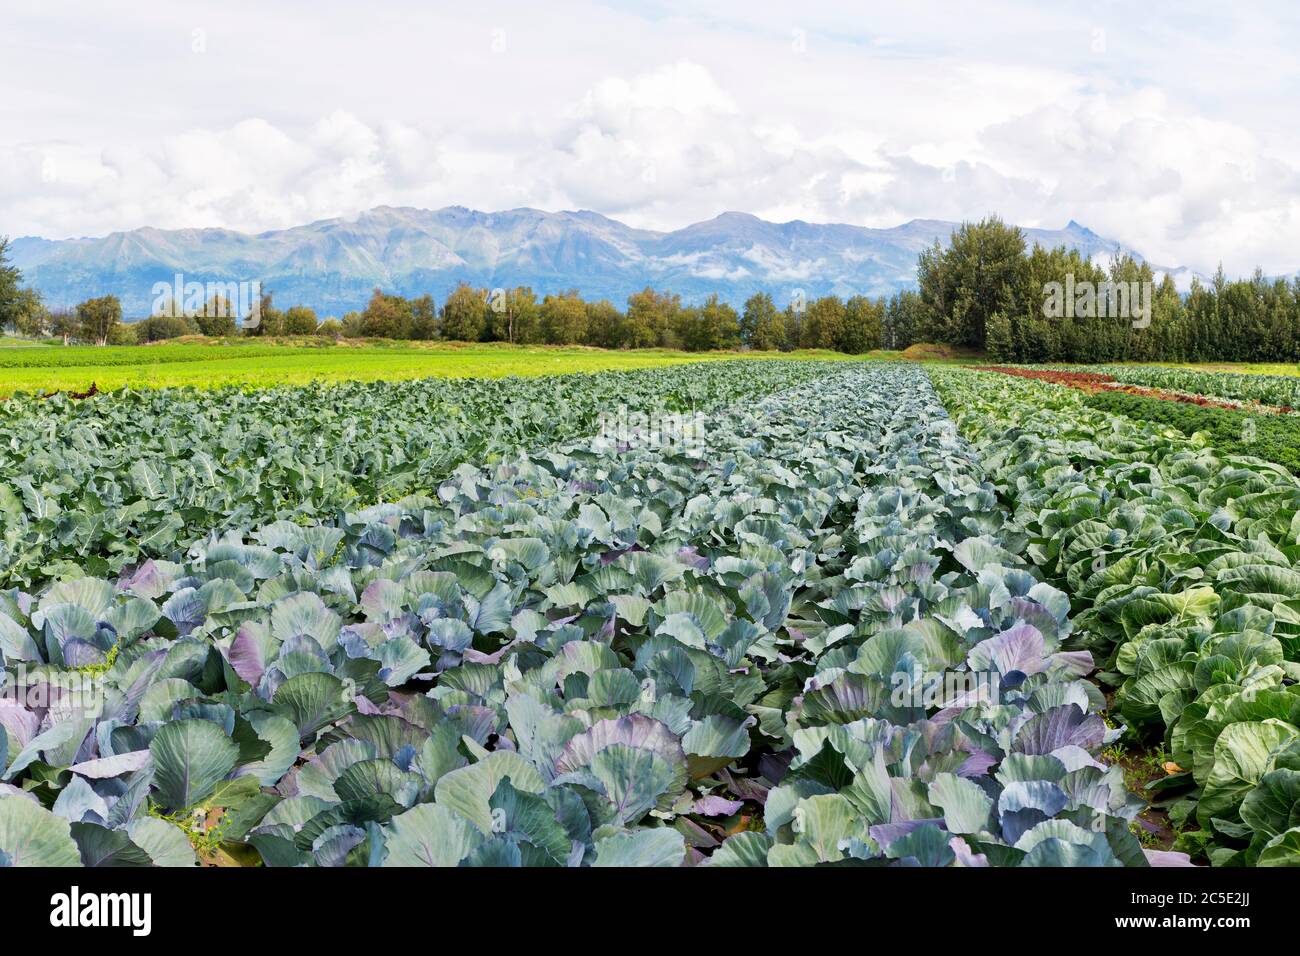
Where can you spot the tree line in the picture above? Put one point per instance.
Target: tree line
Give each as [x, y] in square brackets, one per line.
[651, 319]
[987, 292]
[984, 291]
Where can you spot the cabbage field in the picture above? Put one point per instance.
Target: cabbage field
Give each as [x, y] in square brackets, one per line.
[96, 486]
[871, 614]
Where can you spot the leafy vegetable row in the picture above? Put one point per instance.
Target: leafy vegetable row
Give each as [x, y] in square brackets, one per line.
[1183, 562]
[102, 484]
[810, 640]
[159, 353]
[1274, 438]
[1276, 390]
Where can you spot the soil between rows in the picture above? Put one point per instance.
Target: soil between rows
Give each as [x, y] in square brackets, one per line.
[1091, 382]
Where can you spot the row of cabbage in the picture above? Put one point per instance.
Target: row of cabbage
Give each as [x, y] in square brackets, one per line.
[1183, 564]
[1275, 390]
[101, 484]
[807, 638]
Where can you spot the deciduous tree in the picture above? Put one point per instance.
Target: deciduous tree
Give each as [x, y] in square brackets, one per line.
[464, 314]
[99, 318]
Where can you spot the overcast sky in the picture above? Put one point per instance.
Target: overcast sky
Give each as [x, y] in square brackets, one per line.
[1171, 128]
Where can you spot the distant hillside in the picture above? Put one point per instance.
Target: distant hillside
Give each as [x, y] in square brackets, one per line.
[333, 265]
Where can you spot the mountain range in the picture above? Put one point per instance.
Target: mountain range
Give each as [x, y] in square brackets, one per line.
[333, 265]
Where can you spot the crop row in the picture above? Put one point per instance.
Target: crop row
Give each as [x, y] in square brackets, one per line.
[809, 638]
[99, 485]
[1274, 438]
[1280, 391]
[1182, 566]
[166, 353]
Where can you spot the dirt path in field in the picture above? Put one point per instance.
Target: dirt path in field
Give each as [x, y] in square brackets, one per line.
[1091, 382]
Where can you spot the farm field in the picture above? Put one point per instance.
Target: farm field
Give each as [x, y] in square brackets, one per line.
[1238, 414]
[784, 613]
[103, 483]
[298, 362]
[1181, 565]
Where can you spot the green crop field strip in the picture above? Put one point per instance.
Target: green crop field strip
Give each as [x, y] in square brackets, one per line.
[1229, 368]
[1244, 384]
[52, 368]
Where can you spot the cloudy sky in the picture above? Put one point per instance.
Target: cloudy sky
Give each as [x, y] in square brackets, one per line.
[1172, 129]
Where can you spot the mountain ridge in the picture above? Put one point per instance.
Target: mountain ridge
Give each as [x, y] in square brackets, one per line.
[334, 264]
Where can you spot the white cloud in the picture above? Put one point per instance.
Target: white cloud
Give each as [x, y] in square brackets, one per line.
[1165, 138]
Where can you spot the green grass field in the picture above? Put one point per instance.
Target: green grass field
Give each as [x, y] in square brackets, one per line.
[50, 368]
